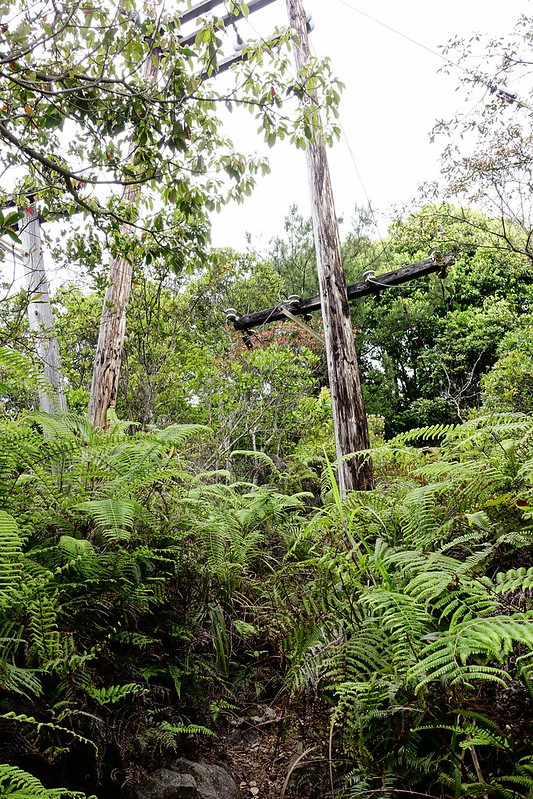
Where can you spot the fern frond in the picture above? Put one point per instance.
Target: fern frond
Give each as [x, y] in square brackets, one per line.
[76, 547]
[403, 619]
[19, 784]
[178, 433]
[20, 681]
[21, 718]
[112, 694]
[20, 367]
[10, 557]
[42, 625]
[453, 655]
[520, 579]
[474, 736]
[62, 426]
[429, 433]
[258, 456]
[187, 729]
[115, 516]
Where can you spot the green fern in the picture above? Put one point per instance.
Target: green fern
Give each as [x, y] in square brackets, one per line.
[115, 517]
[22, 682]
[10, 558]
[430, 433]
[112, 694]
[21, 718]
[18, 784]
[20, 367]
[186, 729]
[450, 657]
[473, 735]
[520, 579]
[522, 779]
[42, 626]
[415, 616]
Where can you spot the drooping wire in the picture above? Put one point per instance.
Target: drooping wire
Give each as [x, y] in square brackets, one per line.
[382, 242]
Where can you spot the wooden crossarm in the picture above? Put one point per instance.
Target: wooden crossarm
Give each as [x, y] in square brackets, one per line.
[364, 288]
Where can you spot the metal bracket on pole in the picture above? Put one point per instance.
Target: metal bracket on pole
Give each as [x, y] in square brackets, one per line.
[285, 311]
[10, 247]
[247, 334]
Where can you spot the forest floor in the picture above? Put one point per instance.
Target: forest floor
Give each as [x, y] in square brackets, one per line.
[276, 752]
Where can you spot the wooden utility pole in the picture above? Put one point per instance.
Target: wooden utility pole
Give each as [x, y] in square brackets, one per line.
[110, 346]
[349, 416]
[40, 317]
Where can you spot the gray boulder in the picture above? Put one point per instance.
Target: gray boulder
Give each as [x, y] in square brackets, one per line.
[184, 779]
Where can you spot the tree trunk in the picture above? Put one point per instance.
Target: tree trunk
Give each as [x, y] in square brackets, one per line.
[349, 416]
[40, 315]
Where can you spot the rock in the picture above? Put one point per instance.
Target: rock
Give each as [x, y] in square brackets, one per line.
[184, 779]
[249, 739]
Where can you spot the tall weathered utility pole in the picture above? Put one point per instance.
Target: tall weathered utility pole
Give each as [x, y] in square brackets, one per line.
[349, 416]
[110, 346]
[40, 316]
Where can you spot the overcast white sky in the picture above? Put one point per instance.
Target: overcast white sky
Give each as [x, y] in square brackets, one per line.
[394, 94]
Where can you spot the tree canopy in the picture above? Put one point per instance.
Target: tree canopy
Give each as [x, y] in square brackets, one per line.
[83, 116]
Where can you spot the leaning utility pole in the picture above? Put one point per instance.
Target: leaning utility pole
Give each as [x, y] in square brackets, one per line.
[40, 316]
[349, 416]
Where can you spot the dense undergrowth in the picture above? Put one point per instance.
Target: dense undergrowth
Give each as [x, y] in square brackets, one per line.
[419, 623]
[140, 597]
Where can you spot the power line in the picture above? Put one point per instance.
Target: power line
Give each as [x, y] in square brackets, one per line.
[499, 91]
[253, 5]
[360, 179]
[384, 247]
[371, 209]
[402, 35]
